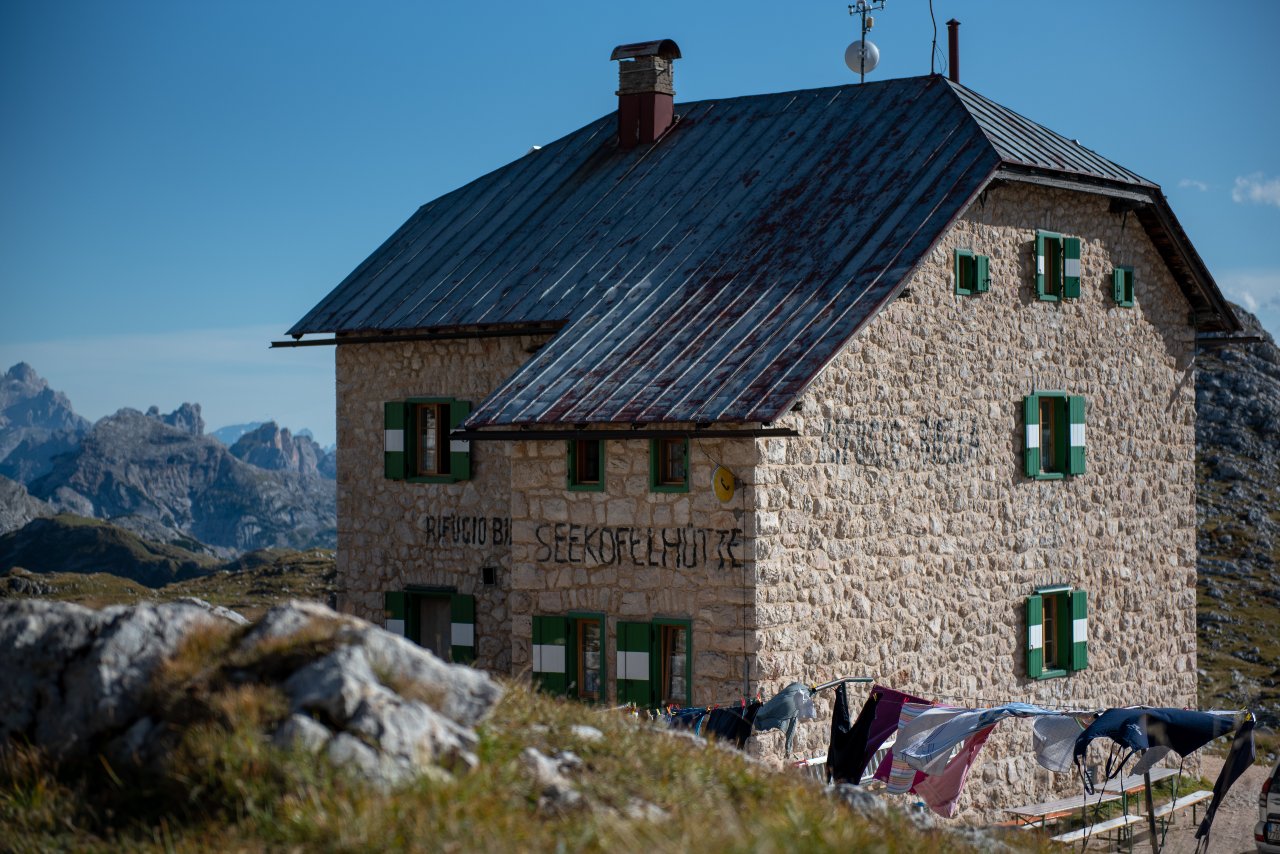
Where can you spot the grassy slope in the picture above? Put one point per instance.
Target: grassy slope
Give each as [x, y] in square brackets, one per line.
[226, 789]
[67, 543]
[249, 585]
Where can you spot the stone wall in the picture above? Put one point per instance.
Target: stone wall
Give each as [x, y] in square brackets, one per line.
[393, 534]
[900, 537]
[634, 554]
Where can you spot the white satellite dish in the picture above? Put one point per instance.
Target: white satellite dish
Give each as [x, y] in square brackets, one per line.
[862, 56]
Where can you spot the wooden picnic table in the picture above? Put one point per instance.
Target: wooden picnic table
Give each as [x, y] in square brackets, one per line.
[1032, 815]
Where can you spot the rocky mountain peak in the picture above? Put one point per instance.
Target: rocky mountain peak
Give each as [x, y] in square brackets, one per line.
[275, 448]
[186, 417]
[25, 374]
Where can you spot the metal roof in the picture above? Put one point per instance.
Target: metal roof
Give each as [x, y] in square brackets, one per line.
[710, 276]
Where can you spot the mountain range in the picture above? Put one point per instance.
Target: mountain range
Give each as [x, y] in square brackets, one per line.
[159, 475]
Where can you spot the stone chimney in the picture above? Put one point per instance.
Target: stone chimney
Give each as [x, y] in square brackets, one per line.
[645, 90]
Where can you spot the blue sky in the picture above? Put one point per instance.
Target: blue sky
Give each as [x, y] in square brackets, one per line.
[180, 182]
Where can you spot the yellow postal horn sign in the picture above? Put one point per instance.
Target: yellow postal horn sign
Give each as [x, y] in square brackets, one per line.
[723, 483]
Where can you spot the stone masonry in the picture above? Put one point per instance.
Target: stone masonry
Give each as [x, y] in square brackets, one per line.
[900, 537]
[897, 537]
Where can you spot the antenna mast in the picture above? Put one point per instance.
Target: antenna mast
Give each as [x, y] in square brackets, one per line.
[863, 56]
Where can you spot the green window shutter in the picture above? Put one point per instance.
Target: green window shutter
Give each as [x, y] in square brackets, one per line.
[1117, 285]
[1035, 636]
[459, 449]
[393, 603]
[1031, 416]
[962, 269]
[1071, 268]
[393, 439]
[635, 684]
[1075, 420]
[1079, 630]
[462, 628]
[1040, 270]
[982, 277]
[551, 654]
[1128, 286]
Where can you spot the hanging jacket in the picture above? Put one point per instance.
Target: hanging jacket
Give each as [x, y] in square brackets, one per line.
[783, 710]
[1141, 728]
[845, 762]
[1239, 759]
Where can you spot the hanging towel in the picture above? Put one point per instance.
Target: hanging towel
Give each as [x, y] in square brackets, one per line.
[1239, 759]
[845, 761]
[942, 791]
[1053, 737]
[930, 752]
[884, 722]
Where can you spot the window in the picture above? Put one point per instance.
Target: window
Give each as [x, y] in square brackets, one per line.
[441, 620]
[586, 465]
[655, 663]
[1054, 441]
[972, 272]
[1057, 631]
[431, 439]
[1057, 266]
[673, 686]
[669, 464]
[568, 655]
[1122, 286]
[416, 441]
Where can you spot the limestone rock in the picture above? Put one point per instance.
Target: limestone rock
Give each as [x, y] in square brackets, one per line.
[299, 732]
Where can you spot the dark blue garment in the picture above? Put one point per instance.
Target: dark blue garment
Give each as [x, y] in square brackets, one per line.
[1180, 730]
[1238, 761]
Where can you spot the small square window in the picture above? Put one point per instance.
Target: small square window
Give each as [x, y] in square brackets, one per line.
[972, 274]
[431, 439]
[669, 464]
[586, 465]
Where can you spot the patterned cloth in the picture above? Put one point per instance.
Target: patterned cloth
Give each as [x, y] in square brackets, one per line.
[942, 791]
[931, 752]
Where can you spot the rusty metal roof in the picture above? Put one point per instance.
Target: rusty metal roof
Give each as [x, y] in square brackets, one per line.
[711, 276]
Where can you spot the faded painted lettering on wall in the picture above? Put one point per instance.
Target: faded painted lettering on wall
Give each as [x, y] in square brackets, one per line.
[453, 530]
[899, 443]
[671, 548]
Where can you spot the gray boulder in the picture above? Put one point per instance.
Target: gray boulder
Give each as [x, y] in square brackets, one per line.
[74, 674]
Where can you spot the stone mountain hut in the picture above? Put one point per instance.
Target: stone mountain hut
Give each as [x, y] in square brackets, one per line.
[707, 397]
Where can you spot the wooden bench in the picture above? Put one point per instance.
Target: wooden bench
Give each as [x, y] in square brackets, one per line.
[1038, 815]
[1192, 800]
[1120, 822]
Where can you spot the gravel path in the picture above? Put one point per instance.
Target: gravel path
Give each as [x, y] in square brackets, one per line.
[1233, 826]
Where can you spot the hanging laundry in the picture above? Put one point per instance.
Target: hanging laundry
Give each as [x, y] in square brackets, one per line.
[1053, 739]
[733, 724]
[942, 791]
[1150, 758]
[929, 752]
[1239, 758]
[916, 721]
[1141, 728]
[884, 723]
[845, 761]
[783, 710]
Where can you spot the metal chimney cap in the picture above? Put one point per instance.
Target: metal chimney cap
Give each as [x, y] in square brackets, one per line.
[665, 48]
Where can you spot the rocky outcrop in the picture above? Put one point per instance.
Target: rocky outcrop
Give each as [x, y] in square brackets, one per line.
[36, 424]
[163, 468]
[371, 702]
[186, 417]
[18, 507]
[1238, 530]
[276, 449]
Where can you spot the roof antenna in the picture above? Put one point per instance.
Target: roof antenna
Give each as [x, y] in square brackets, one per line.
[863, 56]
